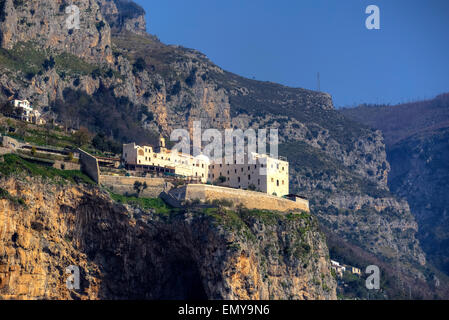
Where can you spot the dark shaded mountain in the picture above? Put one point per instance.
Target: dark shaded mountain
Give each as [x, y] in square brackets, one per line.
[417, 136]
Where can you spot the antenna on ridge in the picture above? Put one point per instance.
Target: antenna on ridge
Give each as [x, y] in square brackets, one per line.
[318, 82]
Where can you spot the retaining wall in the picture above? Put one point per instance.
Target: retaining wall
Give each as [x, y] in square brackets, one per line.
[249, 199]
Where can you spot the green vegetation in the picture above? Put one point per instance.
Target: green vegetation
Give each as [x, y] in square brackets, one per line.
[27, 58]
[157, 204]
[122, 123]
[14, 164]
[4, 194]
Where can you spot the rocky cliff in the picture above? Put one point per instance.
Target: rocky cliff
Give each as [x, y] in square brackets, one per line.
[417, 146]
[126, 252]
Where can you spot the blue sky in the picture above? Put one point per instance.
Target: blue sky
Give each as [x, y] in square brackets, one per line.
[289, 41]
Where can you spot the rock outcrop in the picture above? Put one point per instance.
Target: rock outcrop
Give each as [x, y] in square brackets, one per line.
[130, 253]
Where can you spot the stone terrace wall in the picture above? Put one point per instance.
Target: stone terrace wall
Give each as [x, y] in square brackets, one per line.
[125, 185]
[249, 199]
[89, 165]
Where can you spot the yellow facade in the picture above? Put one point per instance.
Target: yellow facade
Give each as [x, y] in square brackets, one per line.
[184, 165]
[263, 174]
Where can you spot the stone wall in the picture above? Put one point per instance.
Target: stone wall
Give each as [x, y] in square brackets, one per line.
[125, 185]
[4, 151]
[89, 165]
[249, 199]
[64, 165]
[10, 143]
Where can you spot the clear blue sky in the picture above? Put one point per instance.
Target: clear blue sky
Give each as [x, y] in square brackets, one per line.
[289, 41]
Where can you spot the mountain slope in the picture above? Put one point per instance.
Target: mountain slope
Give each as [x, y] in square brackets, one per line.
[417, 147]
[151, 252]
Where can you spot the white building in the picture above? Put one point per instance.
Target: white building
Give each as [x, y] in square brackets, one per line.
[263, 173]
[28, 113]
[145, 158]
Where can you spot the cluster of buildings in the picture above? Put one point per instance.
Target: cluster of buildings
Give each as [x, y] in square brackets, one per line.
[340, 269]
[264, 174]
[28, 113]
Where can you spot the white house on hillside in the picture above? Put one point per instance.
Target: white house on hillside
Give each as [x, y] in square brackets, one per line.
[28, 113]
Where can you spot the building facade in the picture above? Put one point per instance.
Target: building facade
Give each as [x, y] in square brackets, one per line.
[184, 165]
[28, 113]
[259, 172]
[263, 173]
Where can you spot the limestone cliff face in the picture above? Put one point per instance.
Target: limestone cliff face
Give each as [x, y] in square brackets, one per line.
[45, 23]
[124, 15]
[126, 253]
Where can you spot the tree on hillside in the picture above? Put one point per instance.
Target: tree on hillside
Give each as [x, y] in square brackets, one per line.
[82, 137]
[7, 109]
[140, 187]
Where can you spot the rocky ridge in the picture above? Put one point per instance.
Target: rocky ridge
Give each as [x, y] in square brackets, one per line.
[126, 252]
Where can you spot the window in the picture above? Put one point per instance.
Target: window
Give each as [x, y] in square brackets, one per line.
[258, 182]
[238, 179]
[242, 169]
[202, 165]
[272, 180]
[249, 168]
[283, 169]
[235, 170]
[283, 182]
[255, 166]
[249, 177]
[277, 183]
